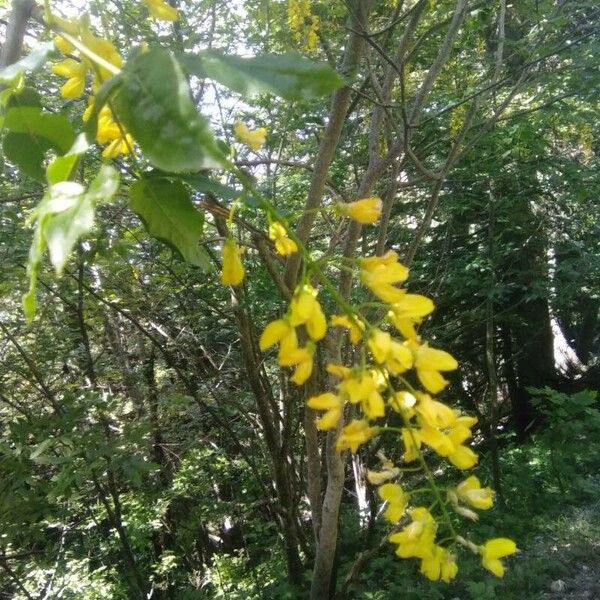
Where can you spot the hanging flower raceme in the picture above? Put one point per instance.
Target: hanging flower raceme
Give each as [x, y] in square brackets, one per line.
[304, 24]
[75, 70]
[428, 424]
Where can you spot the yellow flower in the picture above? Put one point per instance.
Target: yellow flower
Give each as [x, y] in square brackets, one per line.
[233, 269]
[428, 363]
[75, 72]
[365, 211]
[338, 371]
[283, 244]
[471, 492]
[62, 45]
[408, 311]
[379, 343]
[292, 356]
[354, 435]
[106, 50]
[288, 347]
[379, 273]
[397, 501]
[118, 147]
[373, 263]
[412, 306]
[404, 403]
[363, 387]
[417, 538]
[388, 472]
[354, 326]
[440, 564]
[159, 9]
[399, 358]
[253, 139]
[274, 332]
[463, 458]
[434, 413]
[306, 310]
[493, 550]
[330, 403]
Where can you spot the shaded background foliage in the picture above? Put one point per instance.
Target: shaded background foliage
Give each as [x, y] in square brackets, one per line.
[132, 452]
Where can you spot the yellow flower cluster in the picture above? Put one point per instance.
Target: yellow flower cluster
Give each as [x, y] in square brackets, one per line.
[283, 244]
[75, 71]
[387, 362]
[303, 23]
[305, 315]
[255, 139]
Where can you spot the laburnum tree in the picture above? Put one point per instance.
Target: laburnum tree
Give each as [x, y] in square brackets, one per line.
[210, 337]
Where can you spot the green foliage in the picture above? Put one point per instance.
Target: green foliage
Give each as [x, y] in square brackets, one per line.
[169, 215]
[32, 132]
[64, 215]
[290, 76]
[153, 102]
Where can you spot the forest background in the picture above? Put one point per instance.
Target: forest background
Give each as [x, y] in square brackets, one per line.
[148, 447]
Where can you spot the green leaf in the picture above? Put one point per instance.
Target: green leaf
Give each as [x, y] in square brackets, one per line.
[28, 157]
[63, 216]
[62, 167]
[203, 184]
[32, 132]
[154, 104]
[167, 211]
[31, 62]
[290, 76]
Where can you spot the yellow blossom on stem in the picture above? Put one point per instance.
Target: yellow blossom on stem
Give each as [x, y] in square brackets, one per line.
[283, 244]
[399, 358]
[417, 538]
[404, 403]
[365, 211]
[120, 146]
[274, 332]
[440, 564]
[306, 310]
[397, 500]
[338, 370]
[233, 269]
[379, 343]
[255, 140]
[354, 326]
[330, 403]
[355, 434]
[74, 71]
[434, 413]
[493, 550]
[62, 45]
[159, 9]
[471, 492]
[388, 472]
[380, 273]
[428, 363]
